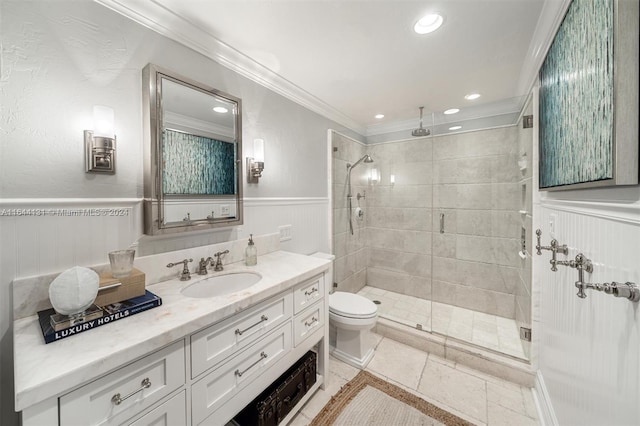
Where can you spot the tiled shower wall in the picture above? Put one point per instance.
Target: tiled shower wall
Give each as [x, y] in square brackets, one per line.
[476, 187]
[474, 180]
[399, 218]
[350, 265]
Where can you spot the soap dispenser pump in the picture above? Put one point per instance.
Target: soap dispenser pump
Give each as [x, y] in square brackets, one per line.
[251, 253]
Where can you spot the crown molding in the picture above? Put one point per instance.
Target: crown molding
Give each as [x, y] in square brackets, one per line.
[156, 17]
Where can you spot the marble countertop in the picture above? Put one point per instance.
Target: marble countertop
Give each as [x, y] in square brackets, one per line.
[44, 370]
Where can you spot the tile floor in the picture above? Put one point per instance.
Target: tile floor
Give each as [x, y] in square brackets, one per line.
[477, 397]
[485, 330]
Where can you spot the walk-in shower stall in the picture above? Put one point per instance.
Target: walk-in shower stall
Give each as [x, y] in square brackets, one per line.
[437, 229]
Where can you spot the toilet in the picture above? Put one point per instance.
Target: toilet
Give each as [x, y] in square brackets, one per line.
[351, 318]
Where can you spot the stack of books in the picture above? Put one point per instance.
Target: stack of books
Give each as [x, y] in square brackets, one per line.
[56, 326]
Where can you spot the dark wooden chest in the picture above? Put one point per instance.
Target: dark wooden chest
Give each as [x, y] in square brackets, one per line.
[273, 405]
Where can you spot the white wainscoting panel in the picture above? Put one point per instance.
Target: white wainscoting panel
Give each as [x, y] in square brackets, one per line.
[589, 349]
[42, 236]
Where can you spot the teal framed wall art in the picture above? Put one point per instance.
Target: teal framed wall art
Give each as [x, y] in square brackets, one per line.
[588, 98]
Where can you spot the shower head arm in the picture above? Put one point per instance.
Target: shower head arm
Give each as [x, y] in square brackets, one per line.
[364, 158]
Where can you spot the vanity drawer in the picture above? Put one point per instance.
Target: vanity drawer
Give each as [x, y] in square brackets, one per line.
[308, 293]
[213, 344]
[97, 402]
[170, 413]
[308, 322]
[218, 387]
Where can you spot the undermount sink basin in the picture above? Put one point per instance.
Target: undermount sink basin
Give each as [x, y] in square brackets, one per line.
[221, 285]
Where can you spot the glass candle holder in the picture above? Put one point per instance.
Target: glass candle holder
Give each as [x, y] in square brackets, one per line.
[121, 262]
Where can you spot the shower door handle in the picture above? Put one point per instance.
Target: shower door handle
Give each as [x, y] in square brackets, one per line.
[442, 223]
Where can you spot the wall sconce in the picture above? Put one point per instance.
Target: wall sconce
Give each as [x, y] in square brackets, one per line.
[374, 175]
[100, 144]
[392, 180]
[255, 164]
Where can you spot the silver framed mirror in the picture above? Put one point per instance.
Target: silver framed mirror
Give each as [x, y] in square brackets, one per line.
[192, 152]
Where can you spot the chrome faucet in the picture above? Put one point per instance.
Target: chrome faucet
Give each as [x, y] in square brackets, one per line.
[202, 266]
[218, 265]
[628, 290]
[554, 247]
[185, 275]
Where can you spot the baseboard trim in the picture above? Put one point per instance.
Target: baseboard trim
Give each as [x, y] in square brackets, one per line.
[546, 414]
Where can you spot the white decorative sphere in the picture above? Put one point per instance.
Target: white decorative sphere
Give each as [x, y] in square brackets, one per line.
[74, 290]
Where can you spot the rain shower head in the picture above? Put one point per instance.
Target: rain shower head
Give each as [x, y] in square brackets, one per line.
[421, 131]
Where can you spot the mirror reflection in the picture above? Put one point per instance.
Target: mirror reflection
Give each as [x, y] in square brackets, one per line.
[195, 146]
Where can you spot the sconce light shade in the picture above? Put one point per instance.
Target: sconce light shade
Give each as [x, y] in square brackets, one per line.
[103, 121]
[255, 164]
[100, 144]
[392, 179]
[258, 150]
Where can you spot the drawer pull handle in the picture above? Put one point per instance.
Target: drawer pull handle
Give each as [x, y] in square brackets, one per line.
[240, 373]
[309, 293]
[262, 319]
[311, 323]
[117, 399]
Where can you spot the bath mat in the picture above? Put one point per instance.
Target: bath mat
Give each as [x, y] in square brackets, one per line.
[369, 400]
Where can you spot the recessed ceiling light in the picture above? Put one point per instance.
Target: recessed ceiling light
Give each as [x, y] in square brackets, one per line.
[455, 127]
[472, 96]
[220, 109]
[452, 111]
[428, 23]
[379, 116]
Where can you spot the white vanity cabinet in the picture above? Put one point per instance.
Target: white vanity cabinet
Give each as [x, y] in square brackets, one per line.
[118, 396]
[214, 344]
[171, 413]
[206, 376]
[237, 379]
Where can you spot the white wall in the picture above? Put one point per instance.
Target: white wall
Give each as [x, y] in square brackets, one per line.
[588, 350]
[58, 60]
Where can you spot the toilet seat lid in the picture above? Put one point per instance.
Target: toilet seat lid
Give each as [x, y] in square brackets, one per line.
[351, 305]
